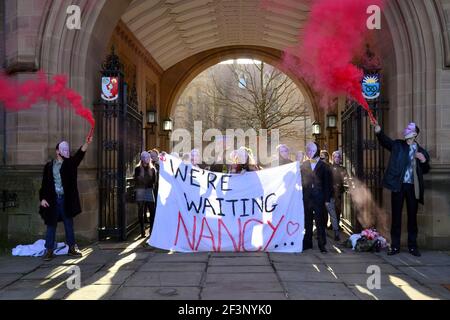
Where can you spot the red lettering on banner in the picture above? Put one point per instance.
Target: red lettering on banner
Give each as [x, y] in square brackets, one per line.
[274, 231]
[243, 234]
[219, 226]
[206, 232]
[204, 221]
[186, 232]
[241, 241]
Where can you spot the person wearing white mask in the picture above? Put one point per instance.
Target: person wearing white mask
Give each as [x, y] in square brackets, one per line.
[340, 183]
[282, 157]
[145, 178]
[317, 191]
[404, 177]
[59, 197]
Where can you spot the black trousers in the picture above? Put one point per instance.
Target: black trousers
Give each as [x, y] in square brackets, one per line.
[412, 204]
[142, 211]
[315, 211]
[338, 205]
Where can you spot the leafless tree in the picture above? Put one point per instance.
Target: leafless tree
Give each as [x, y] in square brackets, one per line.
[258, 96]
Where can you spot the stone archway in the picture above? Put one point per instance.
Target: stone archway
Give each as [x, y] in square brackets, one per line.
[417, 48]
[181, 74]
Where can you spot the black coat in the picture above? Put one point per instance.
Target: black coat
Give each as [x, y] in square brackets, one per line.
[398, 162]
[69, 173]
[318, 184]
[147, 181]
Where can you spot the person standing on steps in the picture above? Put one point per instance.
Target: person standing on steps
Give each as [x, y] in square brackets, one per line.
[145, 177]
[404, 178]
[59, 197]
[317, 191]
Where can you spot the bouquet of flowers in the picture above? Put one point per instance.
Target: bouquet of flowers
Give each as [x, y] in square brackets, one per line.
[367, 240]
[370, 234]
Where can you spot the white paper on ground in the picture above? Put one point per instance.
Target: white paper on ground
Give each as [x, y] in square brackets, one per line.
[37, 249]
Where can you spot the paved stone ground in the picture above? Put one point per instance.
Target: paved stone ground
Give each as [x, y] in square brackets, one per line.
[131, 271]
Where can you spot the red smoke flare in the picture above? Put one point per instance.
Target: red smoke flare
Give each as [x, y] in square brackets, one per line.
[333, 36]
[20, 96]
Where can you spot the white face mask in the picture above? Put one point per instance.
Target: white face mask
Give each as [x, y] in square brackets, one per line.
[145, 157]
[64, 150]
[284, 152]
[337, 159]
[311, 150]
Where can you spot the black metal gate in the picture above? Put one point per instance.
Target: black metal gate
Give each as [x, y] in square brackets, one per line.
[119, 132]
[363, 157]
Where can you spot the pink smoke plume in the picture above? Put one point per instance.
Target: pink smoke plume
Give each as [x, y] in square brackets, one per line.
[332, 37]
[369, 213]
[20, 96]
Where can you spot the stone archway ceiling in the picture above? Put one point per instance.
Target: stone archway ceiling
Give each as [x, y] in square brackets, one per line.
[172, 30]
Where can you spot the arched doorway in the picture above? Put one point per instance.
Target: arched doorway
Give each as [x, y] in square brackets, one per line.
[245, 94]
[415, 45]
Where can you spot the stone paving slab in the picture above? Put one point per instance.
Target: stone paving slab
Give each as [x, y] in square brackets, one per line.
[8, 278]
[442, 291]
[136, 256]
[173, 266]
[153, 274]
[92, 292]
[428, 274]
[19, 264]
[60, 272]
[430, 258]
[240, 277]
[351, 257]
[240, 269]
[394, 293]
[164, 279]
[123, 265]
[238, 254]
[108, 278]
[353, 279]
[35, 289]
[157, 293]
[301, 267]
[239, 261]
[300, 258]
[100, 257]
[308, 274]
[319, 290]
[361, 267]
[180, 257]
[232, 287]
[211, 294]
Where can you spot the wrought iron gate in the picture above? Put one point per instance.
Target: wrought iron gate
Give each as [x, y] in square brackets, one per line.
[119, 132]
[363, 157]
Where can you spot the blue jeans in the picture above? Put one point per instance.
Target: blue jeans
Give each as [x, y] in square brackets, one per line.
[68, 226]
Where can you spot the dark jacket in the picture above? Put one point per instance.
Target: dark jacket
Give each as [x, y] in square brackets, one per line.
[69, 173]
[147, 181]
[340, 178]
[318, 184]
[398, 162]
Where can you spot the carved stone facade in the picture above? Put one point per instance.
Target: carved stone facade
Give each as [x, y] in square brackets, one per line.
[414, 46]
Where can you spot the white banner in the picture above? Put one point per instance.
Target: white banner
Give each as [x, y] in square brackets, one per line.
[199, 210]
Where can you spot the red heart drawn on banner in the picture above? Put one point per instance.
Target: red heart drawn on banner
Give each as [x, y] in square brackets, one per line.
[292, 227]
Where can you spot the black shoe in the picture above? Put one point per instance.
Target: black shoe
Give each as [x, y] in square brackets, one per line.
[74, 252]
[323, 250]
[307, 247]
[48, 255]
[393, 251]
[415, 252]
